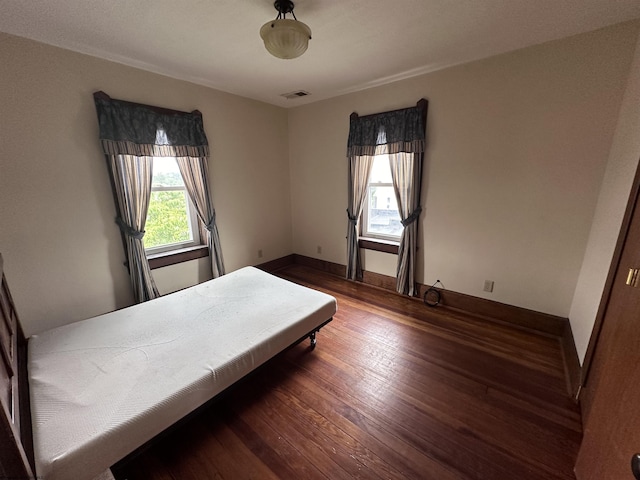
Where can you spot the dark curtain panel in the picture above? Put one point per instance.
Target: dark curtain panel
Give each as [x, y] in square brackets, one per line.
[401, 134]
[388, 132]
[130, 129]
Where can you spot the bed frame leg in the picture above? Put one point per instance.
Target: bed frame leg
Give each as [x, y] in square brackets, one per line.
[312, 337]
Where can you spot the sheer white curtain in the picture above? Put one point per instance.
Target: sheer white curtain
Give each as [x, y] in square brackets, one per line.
[406, 174]
[194, 172]
[359, 171]
[132, 188]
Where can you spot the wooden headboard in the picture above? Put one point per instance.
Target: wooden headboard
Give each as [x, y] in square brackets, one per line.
[16, 440]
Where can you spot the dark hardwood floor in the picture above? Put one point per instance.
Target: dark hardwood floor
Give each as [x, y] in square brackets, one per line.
[394, 389]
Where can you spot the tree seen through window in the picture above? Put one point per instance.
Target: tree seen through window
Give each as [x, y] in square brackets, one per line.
[170, 220]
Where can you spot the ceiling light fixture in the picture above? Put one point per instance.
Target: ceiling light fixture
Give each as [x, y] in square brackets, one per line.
[284, 37]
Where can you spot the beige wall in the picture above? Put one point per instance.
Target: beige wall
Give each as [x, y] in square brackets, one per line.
[518, 147]
[517, 150]
[614, 194]
[61, 248]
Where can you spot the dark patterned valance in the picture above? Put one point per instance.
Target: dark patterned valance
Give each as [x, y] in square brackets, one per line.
[388, 132]
[132, 129]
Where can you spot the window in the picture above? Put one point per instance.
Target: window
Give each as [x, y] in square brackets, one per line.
[172, 222]
[380, 216]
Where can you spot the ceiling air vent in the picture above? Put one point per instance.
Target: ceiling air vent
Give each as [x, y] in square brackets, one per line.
[292, 95]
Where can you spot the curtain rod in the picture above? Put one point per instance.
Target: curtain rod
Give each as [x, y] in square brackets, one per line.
[422, 104]
[164, 111]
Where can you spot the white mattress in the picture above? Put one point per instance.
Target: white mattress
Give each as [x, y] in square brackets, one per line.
[102, 387]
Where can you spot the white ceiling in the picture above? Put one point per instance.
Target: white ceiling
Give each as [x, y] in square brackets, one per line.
[356, 44]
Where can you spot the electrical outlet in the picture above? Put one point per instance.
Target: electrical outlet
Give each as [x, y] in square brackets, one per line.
[260, 253]
[488, 285]
[319, 249]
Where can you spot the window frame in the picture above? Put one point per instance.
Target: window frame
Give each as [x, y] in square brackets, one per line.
[364, 217]
[192, 219]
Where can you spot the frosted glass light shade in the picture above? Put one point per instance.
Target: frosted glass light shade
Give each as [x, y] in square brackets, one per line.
[285, 38]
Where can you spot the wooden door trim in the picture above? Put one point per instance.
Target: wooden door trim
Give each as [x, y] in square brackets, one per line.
[608, 286]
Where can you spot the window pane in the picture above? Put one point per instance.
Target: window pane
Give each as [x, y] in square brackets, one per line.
[167, 220]
[166, 173]
[383, 211]
[380, 171]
